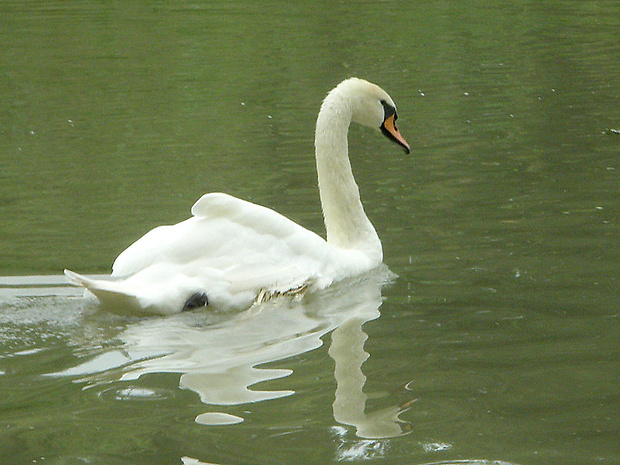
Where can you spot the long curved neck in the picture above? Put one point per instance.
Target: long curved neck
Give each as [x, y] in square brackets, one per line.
[346, 223]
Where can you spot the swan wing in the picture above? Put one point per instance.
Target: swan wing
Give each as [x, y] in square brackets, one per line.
[251, 245]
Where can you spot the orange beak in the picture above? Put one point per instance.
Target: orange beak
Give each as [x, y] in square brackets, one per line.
[391, 132]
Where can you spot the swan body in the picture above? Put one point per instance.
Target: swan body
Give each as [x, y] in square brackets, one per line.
[231, 252]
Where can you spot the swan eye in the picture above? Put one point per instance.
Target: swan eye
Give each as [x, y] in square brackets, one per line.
[196, 301]
[388, 110]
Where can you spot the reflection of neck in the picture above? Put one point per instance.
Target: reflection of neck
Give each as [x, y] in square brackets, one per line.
[347, 350]
[346, 223]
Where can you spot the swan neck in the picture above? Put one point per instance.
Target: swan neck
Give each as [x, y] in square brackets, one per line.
[345, 220]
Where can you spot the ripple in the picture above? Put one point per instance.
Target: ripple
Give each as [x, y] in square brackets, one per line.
[217, 418]
[139, 394]
[436, 446]
[470, 462]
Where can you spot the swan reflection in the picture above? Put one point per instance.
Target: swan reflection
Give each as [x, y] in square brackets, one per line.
[347, 350]
[222, 361]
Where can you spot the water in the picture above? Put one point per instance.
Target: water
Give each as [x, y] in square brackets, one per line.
[497, 342]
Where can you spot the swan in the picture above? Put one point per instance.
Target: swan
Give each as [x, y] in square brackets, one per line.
[232, 253]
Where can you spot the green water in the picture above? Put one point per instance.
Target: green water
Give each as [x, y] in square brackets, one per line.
[497, 342]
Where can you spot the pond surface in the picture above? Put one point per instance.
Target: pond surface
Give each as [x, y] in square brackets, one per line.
[493, 339]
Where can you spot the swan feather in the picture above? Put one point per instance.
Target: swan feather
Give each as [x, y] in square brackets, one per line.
[234, 252]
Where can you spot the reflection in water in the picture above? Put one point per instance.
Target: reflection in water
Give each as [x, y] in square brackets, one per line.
[12, 287]
[221, 362]
[470, 462]
[192, 461]
[347, 350]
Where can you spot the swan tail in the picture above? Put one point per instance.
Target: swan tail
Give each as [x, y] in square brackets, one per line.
[107, 292]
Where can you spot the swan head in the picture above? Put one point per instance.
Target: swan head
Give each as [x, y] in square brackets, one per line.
[373, 107]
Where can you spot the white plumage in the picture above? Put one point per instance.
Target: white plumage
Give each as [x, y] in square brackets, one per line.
[232, 252]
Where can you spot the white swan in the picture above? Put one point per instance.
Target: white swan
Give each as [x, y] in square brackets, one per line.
[231, 253]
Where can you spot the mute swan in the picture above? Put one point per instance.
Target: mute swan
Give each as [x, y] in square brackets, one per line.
[231, 253]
